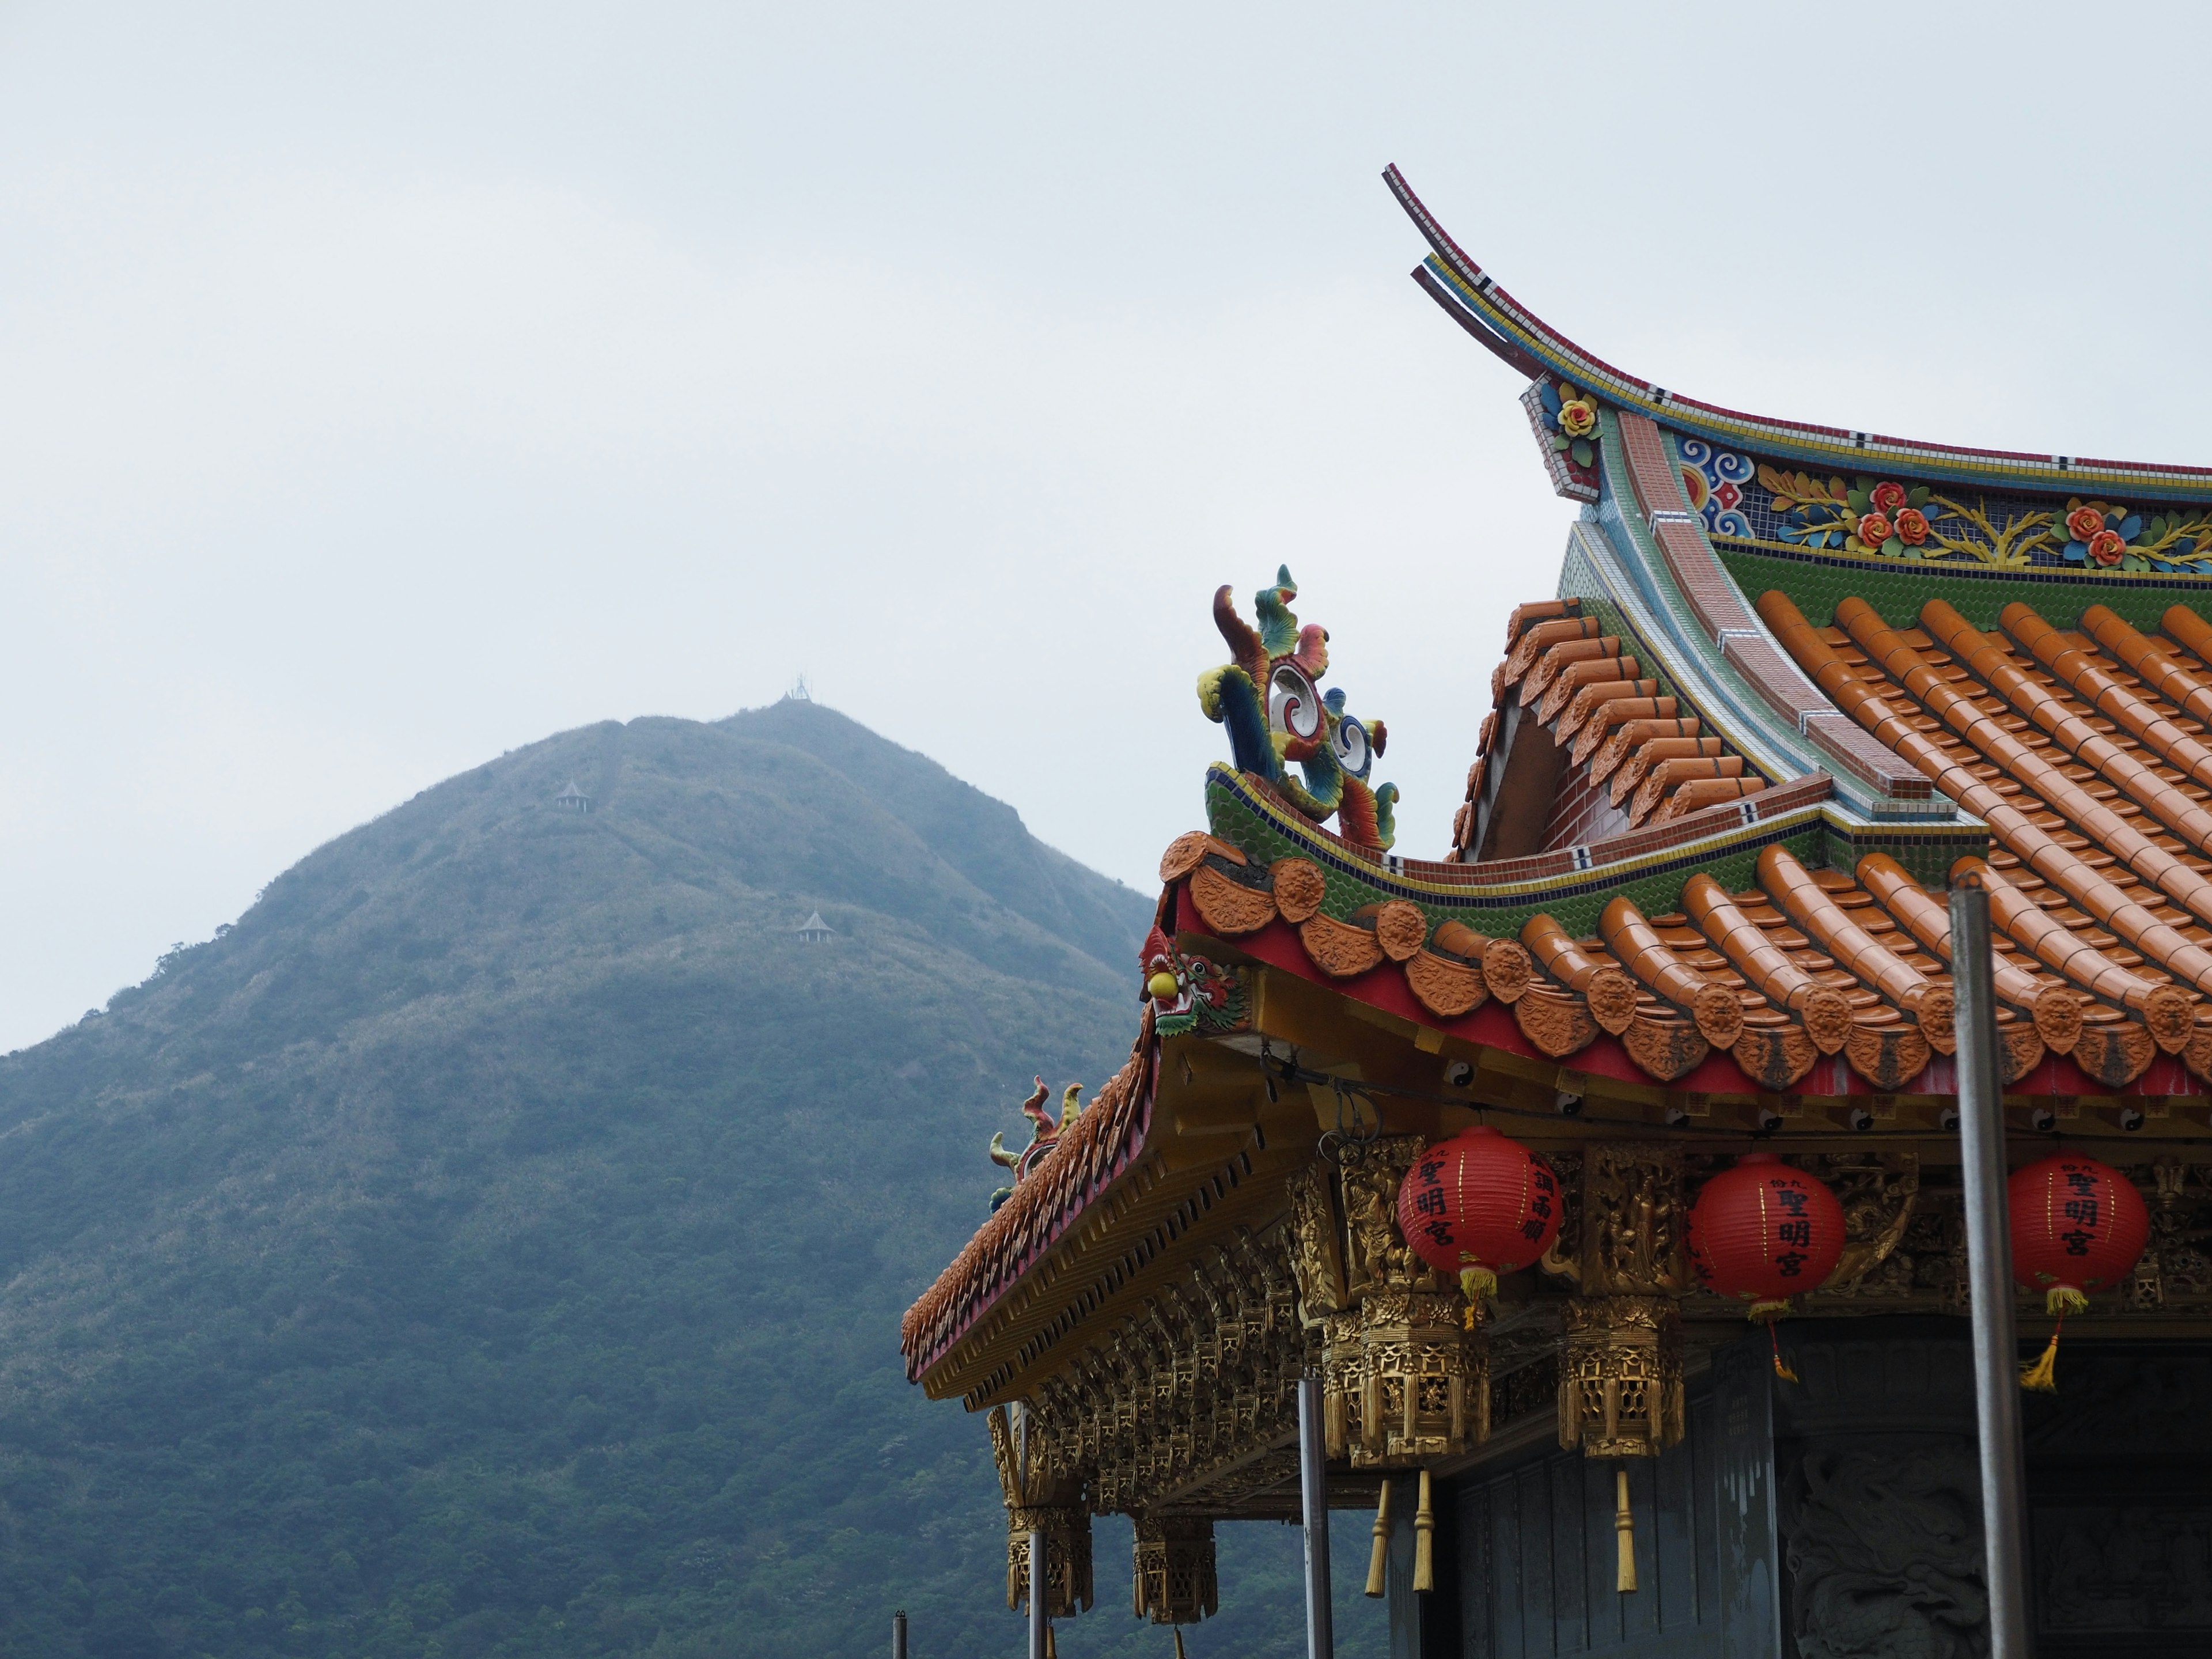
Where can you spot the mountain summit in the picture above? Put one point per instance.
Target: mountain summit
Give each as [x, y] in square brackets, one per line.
[494, 1244]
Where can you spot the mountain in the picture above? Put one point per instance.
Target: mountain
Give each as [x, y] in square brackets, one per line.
[494, 1244]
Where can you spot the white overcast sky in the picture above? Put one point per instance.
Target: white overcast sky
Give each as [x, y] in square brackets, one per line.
[386, 386]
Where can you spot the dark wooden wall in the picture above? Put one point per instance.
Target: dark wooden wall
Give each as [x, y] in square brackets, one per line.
[1839, 1517]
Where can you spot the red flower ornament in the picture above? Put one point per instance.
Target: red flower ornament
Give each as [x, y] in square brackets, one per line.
[1888, 498]
[2084, 523]
[1874, 529]
[2106, 548]
[1911, 527]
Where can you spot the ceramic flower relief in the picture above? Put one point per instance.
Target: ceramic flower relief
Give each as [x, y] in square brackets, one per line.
[2116, 538]
[1869, 516]
[1573, 416]
[1886, 519]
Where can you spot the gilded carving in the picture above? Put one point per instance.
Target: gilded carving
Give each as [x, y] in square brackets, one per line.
[1315, 1256]
[2176, 1266]
[1878, 1194]
[1376, 1255]
[1168, 1402]
[1621, 1376]
[1174, 1577]
[1422, 1380]
[1043, 1492]
[1632, 1221]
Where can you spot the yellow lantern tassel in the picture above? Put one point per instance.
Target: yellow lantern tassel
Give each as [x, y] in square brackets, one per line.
[1379, 1554]
[1474, 1284]
[1178, 1637]
[1624, 1528]
[2042, 1376]
[1051, 1650]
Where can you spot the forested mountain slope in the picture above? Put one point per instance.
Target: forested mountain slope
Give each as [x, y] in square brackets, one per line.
[494, 1244]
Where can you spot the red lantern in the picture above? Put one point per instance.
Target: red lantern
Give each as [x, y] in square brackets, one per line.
[2077, 1225]
[1479, 1206]
[1762, 1231]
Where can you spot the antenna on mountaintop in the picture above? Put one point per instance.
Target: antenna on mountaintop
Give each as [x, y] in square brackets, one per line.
[798, 693]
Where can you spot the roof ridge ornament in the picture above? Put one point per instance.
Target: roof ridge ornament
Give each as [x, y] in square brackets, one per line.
[1292, 721]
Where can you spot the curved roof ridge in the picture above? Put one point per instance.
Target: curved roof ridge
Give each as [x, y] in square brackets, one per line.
[1521, 338]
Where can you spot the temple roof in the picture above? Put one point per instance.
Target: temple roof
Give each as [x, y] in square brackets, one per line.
[1794, 679]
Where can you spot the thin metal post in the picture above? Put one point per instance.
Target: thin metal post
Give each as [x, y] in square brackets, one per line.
[1039, 1569]
[1313, 1485]
[1989, 1268]
[898, 1634]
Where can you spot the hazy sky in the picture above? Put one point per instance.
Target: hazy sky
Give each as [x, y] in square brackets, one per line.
[386, 386]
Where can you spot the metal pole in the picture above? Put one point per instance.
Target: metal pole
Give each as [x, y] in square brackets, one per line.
[1989, 1268]
[898, 1634]
[1039, 1573]
[1313, 1485]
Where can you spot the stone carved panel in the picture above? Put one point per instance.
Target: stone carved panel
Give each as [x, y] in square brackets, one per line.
[2123, 1571]
[1885, 1552]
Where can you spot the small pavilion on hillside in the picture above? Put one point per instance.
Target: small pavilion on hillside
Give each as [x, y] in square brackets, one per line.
[815, 931]
[1670, 1026]
[572, 800]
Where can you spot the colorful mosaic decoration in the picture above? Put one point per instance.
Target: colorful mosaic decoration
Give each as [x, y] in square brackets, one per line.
[1190, 993]
[1890, 518]
[1570, 417]
[1292, 722]
[1715, 479]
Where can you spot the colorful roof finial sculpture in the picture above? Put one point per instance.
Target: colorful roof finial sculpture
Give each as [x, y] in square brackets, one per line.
[1044, 1134]
[1269, 698]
